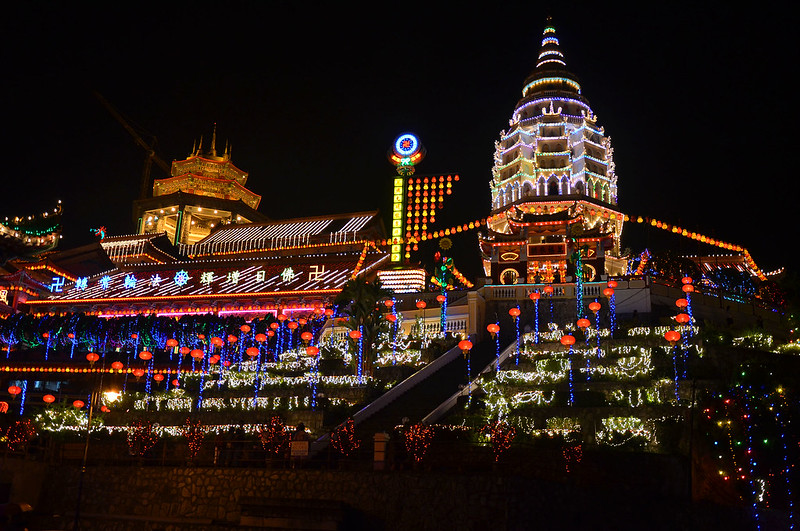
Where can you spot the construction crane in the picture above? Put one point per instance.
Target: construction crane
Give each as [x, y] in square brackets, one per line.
[151, 157]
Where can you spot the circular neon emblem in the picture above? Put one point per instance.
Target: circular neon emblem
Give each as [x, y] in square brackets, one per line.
[406, 145]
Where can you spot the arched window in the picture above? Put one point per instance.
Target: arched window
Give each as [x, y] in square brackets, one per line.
[579, 188]
[552, 186]
[542, 187]
[509, 276]
[527, 189]
[564, 186]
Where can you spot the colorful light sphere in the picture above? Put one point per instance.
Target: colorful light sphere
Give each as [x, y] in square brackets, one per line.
[245, 328]
[681, 303]
[584, 323]
[158, 377]
[172, 343]
[612, 284]
[686, 280]
[217, 341]
[421, 305]
[683, 318]
[608, 292]
[355, 334]
[197, 354]
[14, 390]
[232, 339]
[594, 306]
[48, 399]
[312, 350]
[138, 372]
[306, 336]
[146, 355]
[673, 336]
[388, 303]
[117, 365]
[493, 328]
[687, 288]
[535, 296]
[79, 404]
[514, 312]
[261, 338]
[92, 357]
[567, 340]
[252, 352]
[440, 299]
[406, 145]
[465, 345]
[391, 318]
[548, 290]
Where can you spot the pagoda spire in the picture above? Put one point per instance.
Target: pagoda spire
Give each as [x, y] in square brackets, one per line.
[213, 149]
[550, 56]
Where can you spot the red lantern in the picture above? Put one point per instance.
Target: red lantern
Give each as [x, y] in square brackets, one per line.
[48, 399]
[117, 365]
[270, 333]
[226, 363]
[355, 334]
[292, 325]
[514, 312]
[176, 383]
[306, 336]
[686, 280]
[535, 296]
[302, 321]
[134, 336]
[388, 303]
[673, 336]
[584, 323]
[145, 355]
[687, 288]
[232, 339]
[46, 335]
[328, 312]
[465, 345]
[683, 318]
[252, 352]
[245, 328]
[548, 290]
[608, 292]
[274, 325]
[201, 337]
[567, 340]
[92, 357]
[612, 284]
[71, 335]
[14, 390]
[282, 317]
[681, 303]
[421, 305]
[493, 329]
[105, 409]
[594, 306]
[440, 299]
[216, 341]
[197, 354]
[261, 338]
[79, 404]
[172, 343]
[185, 350]
[391, 317]
[312, 350]
[138, 372]
[213, 360]
[158, 377]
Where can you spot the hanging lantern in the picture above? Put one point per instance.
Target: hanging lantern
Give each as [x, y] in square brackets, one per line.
[117, 365]
[421, 305]
[105, 409]
[302, 321]
[388, 303]
[232, 339]
[328, 312]
[216, 341]
[548, 290]
[79, 404]
[673, 336]
[282, 317]
[92, 357]
[270, 333]
[261, 338]
[226, 363]
[465, 345]
[48, 399]
[687, 288]
[355, 334]
[493, 329]
[274, 325]
[185, 351]
[46, 335]
[567, 340]
[138, 373]
[176, 383]
[612, 284]
[681, 303]
[252, 352]
[683, 318]
[594, 306]
[583, 324]
[440, 299]
[158, 377]
[197, 354]
[14, 390]
[312, 351]
[213, 360]
[514, 312]
[535, 296]
[306, 336]
[134, 336]
[608, 292]
[172, 343]
[391, 317]
[146, 355]
[201, 337]
[292, 325]
[71, 335]
[686, 280]
[245, 328]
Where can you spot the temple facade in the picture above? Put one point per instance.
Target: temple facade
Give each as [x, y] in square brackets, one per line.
[554, 186]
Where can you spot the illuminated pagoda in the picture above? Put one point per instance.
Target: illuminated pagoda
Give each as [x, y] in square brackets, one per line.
[554, 188]
[204, 191]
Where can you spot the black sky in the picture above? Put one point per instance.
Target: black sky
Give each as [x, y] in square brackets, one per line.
[699, 104]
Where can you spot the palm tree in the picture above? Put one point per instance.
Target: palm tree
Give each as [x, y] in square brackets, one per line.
[358, 300]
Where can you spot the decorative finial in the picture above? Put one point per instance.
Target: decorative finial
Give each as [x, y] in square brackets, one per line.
[214, 141]
[194, 148]
[200, 146]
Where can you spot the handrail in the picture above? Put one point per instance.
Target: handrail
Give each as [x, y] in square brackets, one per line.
[393, 394]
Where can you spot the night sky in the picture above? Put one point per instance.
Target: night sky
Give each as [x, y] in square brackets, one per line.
[697, 103]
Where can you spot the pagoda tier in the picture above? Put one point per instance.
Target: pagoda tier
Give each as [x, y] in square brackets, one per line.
[31, 235]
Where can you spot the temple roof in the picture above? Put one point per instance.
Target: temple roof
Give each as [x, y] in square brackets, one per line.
[551, 72]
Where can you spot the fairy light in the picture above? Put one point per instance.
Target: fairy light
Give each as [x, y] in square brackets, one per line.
[24, 388]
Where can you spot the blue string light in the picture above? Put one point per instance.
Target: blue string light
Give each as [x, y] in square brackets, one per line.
[22, 397]
[516, 354]
[571, 399]
[612, 306]
[536, 323]
[360, 359]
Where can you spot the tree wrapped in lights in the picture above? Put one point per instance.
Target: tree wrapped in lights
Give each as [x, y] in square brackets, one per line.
[274, 437]
[359, 302]
[501, 435]
[19, 434]
[417, 440]
[141, 437]
[194, 433]
[343, 438]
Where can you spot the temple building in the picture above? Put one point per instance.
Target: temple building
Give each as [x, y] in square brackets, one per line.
[553, 187]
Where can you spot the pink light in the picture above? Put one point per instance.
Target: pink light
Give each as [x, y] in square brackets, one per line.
[229, 312]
